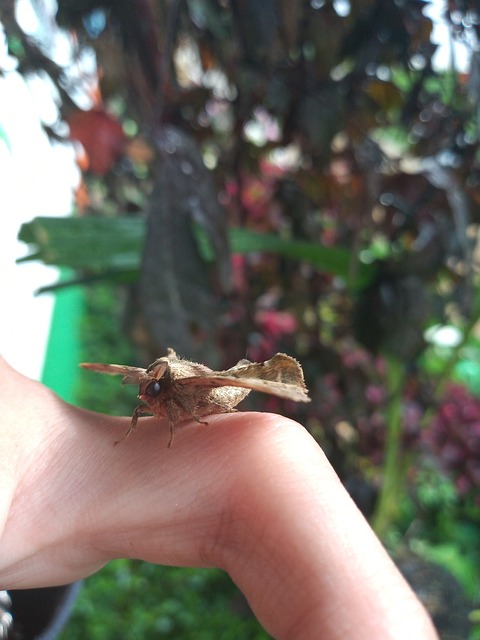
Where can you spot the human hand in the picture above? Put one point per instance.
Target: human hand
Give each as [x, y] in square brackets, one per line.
[250, 493]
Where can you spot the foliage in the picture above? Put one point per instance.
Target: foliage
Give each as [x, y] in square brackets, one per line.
[316, 143]
[452, 525]
[131, 599]
[454, 435]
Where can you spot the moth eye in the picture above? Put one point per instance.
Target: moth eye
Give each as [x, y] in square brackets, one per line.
[153, 389]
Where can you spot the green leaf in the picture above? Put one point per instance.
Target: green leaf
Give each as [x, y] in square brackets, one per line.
[112, 247]
[93, 244]
[333, 260]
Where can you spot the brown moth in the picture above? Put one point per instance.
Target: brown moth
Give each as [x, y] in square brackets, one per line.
[178, 389]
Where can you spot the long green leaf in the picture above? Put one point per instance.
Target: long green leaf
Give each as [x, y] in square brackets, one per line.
[114, 245]
[334, 260]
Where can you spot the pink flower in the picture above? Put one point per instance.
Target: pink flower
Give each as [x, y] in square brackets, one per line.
[276, 323]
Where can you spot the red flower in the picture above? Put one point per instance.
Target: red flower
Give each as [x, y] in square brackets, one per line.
[101, 136]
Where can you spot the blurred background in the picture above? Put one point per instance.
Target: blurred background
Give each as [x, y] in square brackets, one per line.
[231, 178]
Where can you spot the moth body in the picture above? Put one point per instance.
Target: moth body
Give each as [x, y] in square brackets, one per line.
[169, 396]
[178, 389]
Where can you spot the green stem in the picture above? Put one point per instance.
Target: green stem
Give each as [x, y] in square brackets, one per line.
[392, 489]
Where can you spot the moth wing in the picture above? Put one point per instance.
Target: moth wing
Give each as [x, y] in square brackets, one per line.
[131, 375]
[280, 368]
[280, 389]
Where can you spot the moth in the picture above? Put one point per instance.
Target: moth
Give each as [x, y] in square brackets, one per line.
[178, 389]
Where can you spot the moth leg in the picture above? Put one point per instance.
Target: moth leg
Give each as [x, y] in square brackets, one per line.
[171, 424]
[141, 409]
[172, 433]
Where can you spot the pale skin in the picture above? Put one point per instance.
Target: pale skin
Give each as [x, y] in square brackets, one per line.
[250, 493]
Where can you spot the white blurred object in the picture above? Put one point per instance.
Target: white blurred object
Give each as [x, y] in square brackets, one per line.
[36, 178]
[444, 336]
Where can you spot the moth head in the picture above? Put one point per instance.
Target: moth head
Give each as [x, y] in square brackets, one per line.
[151, 385]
